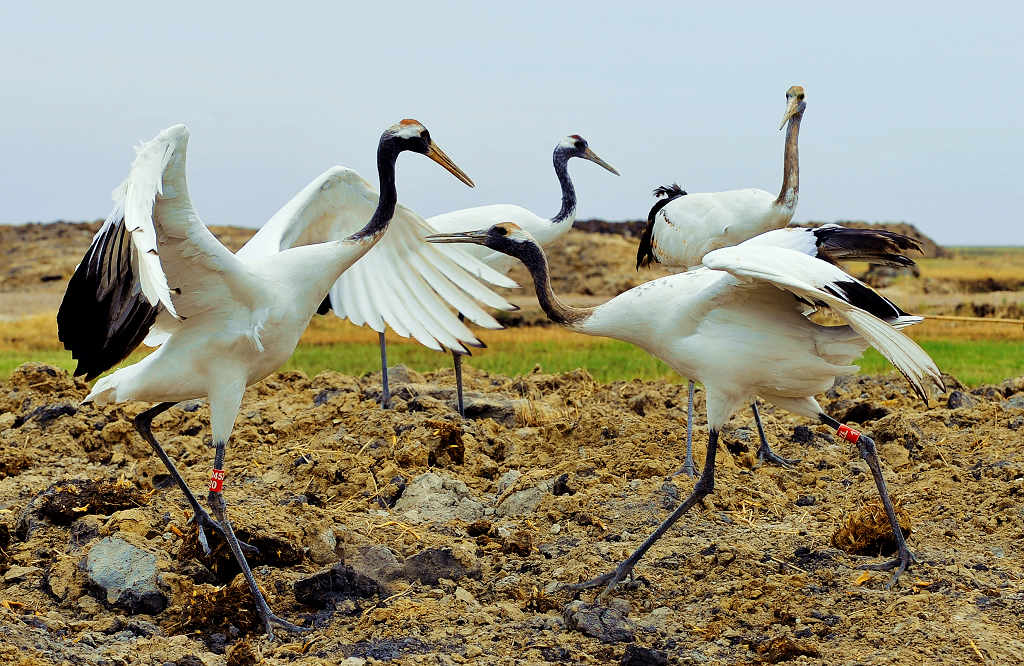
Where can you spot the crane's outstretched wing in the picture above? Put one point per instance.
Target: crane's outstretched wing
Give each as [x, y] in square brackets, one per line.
[152, 255]
[403, 282]
[874, 317]
[832, 243]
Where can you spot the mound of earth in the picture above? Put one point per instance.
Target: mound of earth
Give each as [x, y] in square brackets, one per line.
[410, 536]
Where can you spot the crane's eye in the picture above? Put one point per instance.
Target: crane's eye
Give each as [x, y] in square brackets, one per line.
[501, 231]
[425, 136]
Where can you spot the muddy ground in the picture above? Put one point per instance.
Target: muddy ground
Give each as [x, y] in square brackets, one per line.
[449, 539]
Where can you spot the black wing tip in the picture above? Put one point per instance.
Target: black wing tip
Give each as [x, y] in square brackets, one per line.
[876, 246]
[645, 252]
[325, 305]
[864, 297]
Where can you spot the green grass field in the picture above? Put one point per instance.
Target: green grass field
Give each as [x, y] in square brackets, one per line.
[974, 362]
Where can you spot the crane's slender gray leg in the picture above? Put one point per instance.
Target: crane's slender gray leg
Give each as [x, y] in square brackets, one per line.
[216, 501]
[764, 452]
[457, 361]
[144, 424]
[385, 396]
[688, 467]
[904, 558]
[705, 485]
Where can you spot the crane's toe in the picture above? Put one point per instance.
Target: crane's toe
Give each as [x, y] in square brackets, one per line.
[766, 455]
[899, 564]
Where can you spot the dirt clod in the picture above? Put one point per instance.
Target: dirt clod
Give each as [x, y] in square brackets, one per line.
[326, 588]
[867, 531]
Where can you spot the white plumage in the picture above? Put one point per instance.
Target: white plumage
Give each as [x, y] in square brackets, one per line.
[223, 321]
[403, 282]
[544, 230]
[735, 325]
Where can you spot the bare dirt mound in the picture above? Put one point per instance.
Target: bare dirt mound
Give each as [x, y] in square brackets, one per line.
[409, 536]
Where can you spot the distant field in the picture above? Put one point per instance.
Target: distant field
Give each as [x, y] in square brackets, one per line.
[513, 352]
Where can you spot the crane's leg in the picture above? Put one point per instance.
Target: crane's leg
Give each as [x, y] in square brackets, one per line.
[144, 424]
[904, 558]
[457, 360]
[705, 484]
[385, 396]
[688, 468]
[764, 452]
[216, 500]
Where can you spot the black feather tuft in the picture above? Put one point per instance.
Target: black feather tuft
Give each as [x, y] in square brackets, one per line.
[645, 252]
[875, 246]
[325, 306]
[104, 315]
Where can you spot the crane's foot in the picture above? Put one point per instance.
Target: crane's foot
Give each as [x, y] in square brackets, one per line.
[609, 580]
[205, 521]
[270, 620]
[766, 455]
[899, 564]
[688, 468]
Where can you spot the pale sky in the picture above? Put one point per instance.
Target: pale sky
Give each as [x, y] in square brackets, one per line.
[913, 109]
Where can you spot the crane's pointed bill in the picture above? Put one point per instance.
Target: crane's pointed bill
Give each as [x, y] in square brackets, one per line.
[478, 237]
[588, 154]
[791, 109]
[435, 153]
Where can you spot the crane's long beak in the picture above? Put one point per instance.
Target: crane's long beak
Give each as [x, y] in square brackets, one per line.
[435, 153]
[588, 154]
[794, 107]
[478, 237]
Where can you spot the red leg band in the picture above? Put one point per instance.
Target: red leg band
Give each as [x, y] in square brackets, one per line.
[848, 433]
[217, 480]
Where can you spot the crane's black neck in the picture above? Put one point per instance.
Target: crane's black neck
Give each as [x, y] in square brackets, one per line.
[791, 164]
[387, 154]
[560, 158]
[533, 258]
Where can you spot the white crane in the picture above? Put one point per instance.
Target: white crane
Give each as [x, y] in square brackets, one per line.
[735, 325]
[403, 282]
[545, 230]
[682, 228]
[224, 321]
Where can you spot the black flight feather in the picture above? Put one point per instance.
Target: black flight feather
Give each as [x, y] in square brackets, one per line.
[665, 193]
[104, 315]
[325, 306]
[876, 246]
[864, 297]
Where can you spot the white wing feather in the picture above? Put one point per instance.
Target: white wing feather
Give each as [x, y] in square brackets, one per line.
[808, 278]
[403, 282]
[180, 265]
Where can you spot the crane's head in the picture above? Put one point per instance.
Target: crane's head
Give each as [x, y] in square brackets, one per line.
[411, 135]
[575, 145]
[795, 104]
[506, 237]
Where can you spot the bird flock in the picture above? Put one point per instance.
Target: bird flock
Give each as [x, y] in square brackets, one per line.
[736, 317]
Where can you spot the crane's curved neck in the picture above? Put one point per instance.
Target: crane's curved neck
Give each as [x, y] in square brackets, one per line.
[533, 257]
[568, 210]
[387, 154]
[791, 165]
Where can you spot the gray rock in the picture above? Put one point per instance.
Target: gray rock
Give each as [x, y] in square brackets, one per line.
[525, 501]
[435, 498]
[126, 575]
[608, 625]
[637, 655]
[376, 562]
[507, 479]
[1016, 402]
[960, 400]
[433, 564]
[501, 410]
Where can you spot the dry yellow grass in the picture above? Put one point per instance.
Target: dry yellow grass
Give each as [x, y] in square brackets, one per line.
[39, 333]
